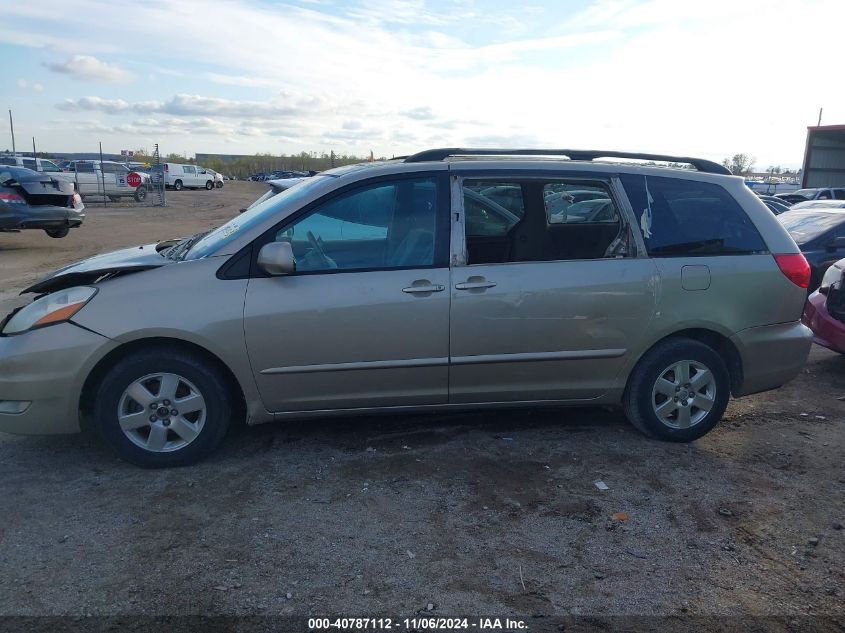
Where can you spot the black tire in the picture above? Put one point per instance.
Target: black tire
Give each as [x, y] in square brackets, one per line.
[639, 393]
[208, 381]
[177, 185]
[140, 193]
[209, 185]
[219, 184]
[114, 198]
[57, 233]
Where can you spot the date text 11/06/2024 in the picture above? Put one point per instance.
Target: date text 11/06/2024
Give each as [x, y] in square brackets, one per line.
[416, 624]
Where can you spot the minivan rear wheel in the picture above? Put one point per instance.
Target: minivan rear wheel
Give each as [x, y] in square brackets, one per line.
[678, 391]
[161, 408]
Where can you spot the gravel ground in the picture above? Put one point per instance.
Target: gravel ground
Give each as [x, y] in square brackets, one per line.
[476, 513]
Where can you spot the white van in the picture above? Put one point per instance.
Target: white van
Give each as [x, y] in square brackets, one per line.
[184, 176]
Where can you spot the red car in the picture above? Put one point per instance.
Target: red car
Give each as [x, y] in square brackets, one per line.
[824, 312]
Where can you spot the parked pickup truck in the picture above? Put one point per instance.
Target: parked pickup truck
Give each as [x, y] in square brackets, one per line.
[92, 176]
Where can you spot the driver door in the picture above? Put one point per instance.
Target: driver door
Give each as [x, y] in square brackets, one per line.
[364, 320]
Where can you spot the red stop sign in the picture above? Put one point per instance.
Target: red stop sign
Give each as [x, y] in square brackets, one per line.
[133, 180]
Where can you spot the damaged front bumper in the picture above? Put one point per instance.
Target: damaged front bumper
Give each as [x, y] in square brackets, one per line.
[42, 372]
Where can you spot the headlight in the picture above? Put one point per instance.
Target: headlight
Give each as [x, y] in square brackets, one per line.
[54, 308]
[832, 276]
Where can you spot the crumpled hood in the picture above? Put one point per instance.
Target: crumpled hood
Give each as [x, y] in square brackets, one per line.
[90, 270]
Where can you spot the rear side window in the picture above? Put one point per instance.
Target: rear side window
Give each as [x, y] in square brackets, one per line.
[681, 218]
[536, 221]
[839, 194]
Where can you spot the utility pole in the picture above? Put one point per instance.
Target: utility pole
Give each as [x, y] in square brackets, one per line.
[820, 116]
[12, 127]
[33, 147]
[103, 175]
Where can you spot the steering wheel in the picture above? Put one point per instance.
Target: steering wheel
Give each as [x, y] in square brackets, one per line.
[328, 261]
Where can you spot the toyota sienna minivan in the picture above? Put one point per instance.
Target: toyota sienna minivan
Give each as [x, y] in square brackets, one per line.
[441, 281]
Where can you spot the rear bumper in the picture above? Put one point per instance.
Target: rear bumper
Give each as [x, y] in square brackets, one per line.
[771, 355]
[41, 217]
[827, 330]
[41, 376]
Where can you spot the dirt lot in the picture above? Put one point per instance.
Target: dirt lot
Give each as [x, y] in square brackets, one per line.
[490, 514]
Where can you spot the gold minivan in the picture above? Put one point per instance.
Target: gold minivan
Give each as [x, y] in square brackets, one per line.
[447, 280]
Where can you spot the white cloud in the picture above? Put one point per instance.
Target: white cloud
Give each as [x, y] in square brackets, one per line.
[422, 113]
[88, 68]
[196, 105]
[244, 81]
[109, 106]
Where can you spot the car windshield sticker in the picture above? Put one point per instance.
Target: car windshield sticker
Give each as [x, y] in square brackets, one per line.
[231, 230]
[645, 218]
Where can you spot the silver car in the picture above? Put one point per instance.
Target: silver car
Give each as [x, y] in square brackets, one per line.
[408, 286]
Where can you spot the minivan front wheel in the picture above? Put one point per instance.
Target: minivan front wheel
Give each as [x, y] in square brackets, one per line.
[678, 391]
[161, 408]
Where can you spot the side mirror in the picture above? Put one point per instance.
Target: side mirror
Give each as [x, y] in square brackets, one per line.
[276, 258]
[836, 243]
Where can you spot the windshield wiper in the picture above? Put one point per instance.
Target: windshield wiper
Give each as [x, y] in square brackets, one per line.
[180, 249]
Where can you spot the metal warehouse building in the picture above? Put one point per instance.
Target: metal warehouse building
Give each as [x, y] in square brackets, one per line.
[824, 157]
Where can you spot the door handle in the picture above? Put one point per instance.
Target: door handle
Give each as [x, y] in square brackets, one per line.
[475, 285]
[424, 289]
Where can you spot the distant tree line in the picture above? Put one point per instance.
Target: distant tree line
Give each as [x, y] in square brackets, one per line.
[743, 165]
[246, 166]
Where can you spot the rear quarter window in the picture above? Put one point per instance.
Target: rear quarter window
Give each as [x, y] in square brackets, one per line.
[680, 218]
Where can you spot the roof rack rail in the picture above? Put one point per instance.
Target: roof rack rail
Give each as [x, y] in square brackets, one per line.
[702, 165]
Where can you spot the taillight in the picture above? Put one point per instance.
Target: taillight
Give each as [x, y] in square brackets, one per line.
[795, 267]
[166, 167]
[12, 198]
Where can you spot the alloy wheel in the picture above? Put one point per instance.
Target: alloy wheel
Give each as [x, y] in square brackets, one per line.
[683, 394]
[161, 412]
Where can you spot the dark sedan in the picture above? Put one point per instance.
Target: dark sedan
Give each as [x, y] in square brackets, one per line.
[776, 205]
[35, 200]
[820, 233]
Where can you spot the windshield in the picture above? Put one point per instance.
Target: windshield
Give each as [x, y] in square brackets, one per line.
[253, 216]
[805, 227]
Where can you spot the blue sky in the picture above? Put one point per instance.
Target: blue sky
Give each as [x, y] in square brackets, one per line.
[395, 76]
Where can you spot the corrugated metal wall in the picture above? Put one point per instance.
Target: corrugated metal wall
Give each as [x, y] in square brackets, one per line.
[824, 162]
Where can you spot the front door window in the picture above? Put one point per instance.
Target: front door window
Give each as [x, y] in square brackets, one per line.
[379, 227]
